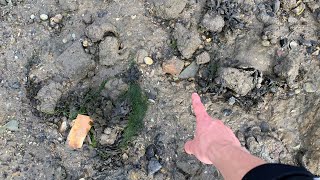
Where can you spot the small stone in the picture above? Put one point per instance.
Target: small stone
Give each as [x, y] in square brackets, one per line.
[266, 43]
[173, 66]
[153, 166]
[151, 151]
[125, 156]
[293, 44]
[64, 40]
[214, 23]
[12, 125]
[203, 58]
[85, 43]
[264, 126]
[32, 16]
[87, 18]
[56, 19]
[297, 91]
[107, 131]
[232, 100]
[44, 17]
[140, 55]
[227, 112]
[148, 60]
[190, 71]
[108, 139]
[63, 126]
[310, 88]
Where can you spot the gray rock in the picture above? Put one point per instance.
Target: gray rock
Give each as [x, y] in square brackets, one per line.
[190, 71]
[227, 112]
[87, 18]
[153, 166]
[3, 2]
[69, 5]
[288, 67]
[168, 9]
[214, 23]
[97, 31]
[203, 58]
[190, 167]
[310, 87]
[108, 51]
[238, 80]
[48, 97]
[232, 100]
[114, 88]
[12, 125]
[109, 137]
[74, 63]
[187, 41]
[140, 55]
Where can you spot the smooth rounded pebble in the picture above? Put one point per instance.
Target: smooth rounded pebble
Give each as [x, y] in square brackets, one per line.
[148, 60]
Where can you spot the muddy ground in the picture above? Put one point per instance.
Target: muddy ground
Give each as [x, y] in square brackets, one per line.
[255, 64]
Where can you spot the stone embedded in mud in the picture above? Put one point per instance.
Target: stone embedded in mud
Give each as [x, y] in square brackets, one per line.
[108, 51]
[114, 88]
[190, 71]
[74, 63]
[153, 166]
[48, 97]
[43, 17]
[168, 9]
[203, 58]
[97, 31]
[238, 80]
[288, 67]
[187, 41]
[109, 137]
[188, 166]
[214, 23]
[140, 55]
[173, 66]
[310, 87]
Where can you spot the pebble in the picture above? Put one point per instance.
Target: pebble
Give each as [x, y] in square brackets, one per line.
[203, 58]
[293, 44]
[266, 43]
[85, 43]
[63, 126]
[44, 17]
[153, 166]
[264, 126]
[232, 100]
[12, 125]
[148, 60]
[56, 19]
[151, 151]
[310, 88]
[32, 16]
[227, 112]
[125, 156]
[190, 71]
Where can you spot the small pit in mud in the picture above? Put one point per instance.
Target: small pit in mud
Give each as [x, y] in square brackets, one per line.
[118, 116]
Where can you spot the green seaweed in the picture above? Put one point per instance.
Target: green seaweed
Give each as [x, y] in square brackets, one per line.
[139, 105]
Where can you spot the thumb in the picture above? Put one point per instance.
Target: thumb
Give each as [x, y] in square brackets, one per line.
[189, 147]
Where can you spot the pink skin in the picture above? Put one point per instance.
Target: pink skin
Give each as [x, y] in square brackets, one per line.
[214, 143]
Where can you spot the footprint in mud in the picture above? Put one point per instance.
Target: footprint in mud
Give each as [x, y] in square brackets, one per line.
[263, 142]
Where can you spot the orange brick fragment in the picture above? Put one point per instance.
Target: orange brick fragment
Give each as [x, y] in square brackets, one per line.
[81, 127]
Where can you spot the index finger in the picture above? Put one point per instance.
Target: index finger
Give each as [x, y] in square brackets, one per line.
[198, 107]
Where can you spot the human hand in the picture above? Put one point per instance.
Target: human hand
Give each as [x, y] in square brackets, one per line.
[211, 135]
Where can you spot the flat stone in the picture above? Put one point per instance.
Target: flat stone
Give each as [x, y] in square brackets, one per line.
[153, 166]
[214, 23]
[187, 41]
[310, 87]
[173, 66]
[203, 58]
[190, 71]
